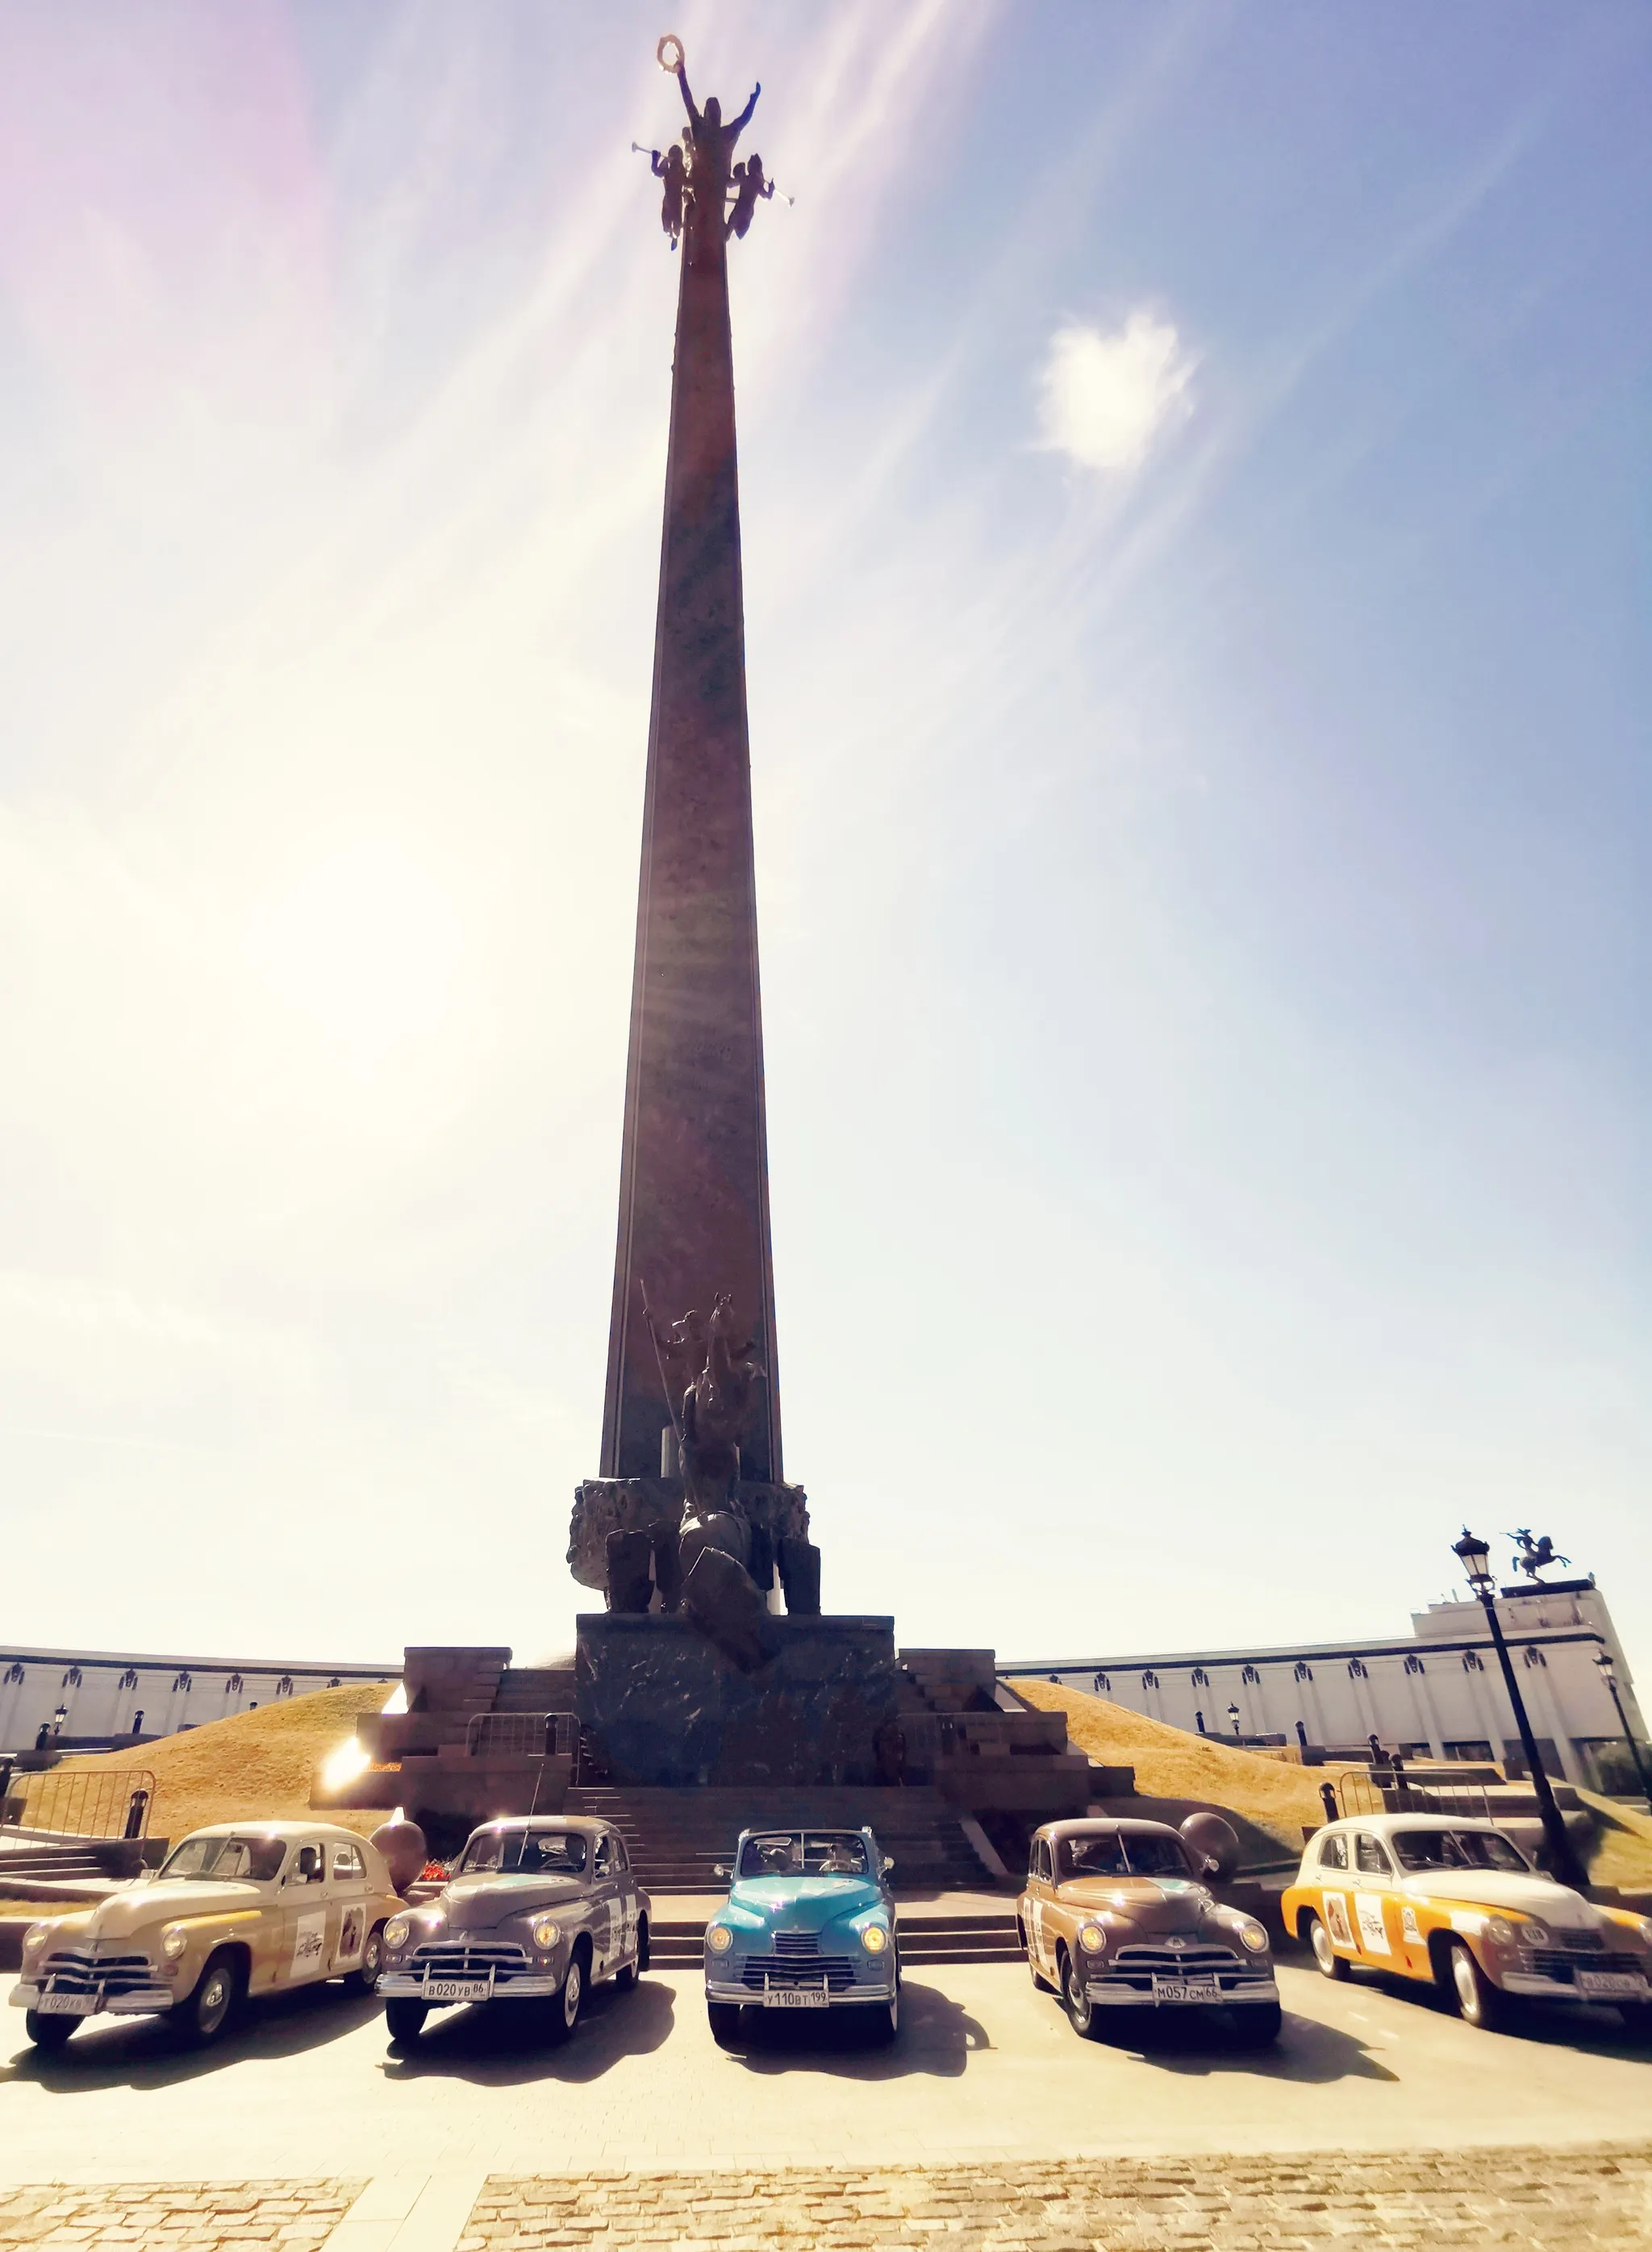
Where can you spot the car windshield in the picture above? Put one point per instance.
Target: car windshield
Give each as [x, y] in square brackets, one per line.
[1459, 1849]
[804, 1853]
[524, 1853]
[226, 1861]
[1123, 1853]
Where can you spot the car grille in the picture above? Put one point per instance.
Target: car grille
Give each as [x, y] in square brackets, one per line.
[1578, 1943]
[797, 1961]
[83, 1969]
[1555, 1963]
[467, 1958]
[1138, 1966]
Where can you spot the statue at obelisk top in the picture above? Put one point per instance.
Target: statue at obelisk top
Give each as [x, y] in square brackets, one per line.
[691, 1430]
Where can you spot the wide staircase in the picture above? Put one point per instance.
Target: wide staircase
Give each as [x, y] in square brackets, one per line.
[925, 1935]
[675, 1838]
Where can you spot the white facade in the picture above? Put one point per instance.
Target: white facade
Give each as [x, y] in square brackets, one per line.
[110, 1693]
[1438, 1693]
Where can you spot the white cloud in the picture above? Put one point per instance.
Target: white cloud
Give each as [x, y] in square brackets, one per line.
[1104, 398]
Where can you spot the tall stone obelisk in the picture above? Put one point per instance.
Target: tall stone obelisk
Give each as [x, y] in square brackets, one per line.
[694, 1165]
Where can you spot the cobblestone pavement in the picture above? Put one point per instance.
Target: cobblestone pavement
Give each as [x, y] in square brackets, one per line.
[1600, 2199]
[177, 2216]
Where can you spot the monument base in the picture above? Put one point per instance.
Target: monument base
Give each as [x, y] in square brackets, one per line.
[668, 1709]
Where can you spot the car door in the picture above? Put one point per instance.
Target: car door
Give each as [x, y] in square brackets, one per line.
[630, 1898]
[304, 1917]
[1376, 1917]
[607, 1904]
[1334, 1877]
[1040, 1936]
[348, 1907]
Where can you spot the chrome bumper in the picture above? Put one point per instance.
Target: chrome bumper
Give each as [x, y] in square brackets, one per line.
[401, 1987]
[1563, 1990]
[141, 2002]
[1120, 1994]
[728, 1990]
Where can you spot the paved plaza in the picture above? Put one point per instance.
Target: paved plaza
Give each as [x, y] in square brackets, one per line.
[314, 2133]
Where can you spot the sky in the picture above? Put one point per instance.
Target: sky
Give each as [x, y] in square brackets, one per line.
[1195, 470]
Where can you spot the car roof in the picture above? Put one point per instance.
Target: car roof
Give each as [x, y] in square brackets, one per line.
[1129, 1825]
[548, 1822]
[284, 1830]
[1387, 1825]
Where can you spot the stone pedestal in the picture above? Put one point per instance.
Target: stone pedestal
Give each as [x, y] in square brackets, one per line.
[664, 1707]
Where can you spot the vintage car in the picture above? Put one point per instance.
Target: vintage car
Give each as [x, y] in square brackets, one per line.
[1455, 1905]
[241, 1908]
[1117, 1915]
[538, 1910]
[809, 1925]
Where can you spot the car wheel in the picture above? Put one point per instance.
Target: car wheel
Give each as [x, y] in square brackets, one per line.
[724, 2019]
[1256, 2025]
[1478, 2002]
[642, 1946]
[365, 1979]
[1079, 2008]
[886, 2021]
[1331, 1964]
[1636, 2016]
[405, 2019]
[48, 2033]
[569, 1999]
[207, 2011]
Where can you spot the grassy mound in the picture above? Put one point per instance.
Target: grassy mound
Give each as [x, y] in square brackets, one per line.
[252, 1766]
[1622, 1854]
[1276, 1796]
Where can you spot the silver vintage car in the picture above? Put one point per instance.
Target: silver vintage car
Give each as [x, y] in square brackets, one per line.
[538, 1910]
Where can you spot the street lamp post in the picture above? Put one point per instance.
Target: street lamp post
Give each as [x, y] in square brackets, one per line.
[1608, 1674]
[1474, 1556]
[1232, 1714]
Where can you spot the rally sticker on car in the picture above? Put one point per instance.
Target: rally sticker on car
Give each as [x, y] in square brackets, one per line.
[1408, 1924]
[1373, 1931]
[350, 1937]
[1335, 1905]
[310, 1945]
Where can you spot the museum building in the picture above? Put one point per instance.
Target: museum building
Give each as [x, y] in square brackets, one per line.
[85, 1698]
[1436, 1693]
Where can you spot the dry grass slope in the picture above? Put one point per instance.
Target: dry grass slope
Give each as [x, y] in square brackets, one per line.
[1276, 1796]
[254, 1764]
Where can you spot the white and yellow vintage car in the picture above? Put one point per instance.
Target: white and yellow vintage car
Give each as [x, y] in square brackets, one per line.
[1456, 1904]
[242, 1909]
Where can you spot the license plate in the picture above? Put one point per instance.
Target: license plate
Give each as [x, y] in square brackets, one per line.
[69, 2006]
[1610, 1982]
[1184, 1989]
[795, 1998]
[458, 1990]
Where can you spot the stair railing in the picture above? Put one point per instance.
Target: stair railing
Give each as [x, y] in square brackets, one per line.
[522, 1735]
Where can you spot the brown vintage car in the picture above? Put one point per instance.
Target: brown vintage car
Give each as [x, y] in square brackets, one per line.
[1119, 1916]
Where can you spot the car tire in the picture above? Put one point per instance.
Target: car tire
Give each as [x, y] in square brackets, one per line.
[365, 1980]
[642, 1946]
[1636, 2016]
[1076, 2001]
[48, 2033]
[1328, 1962]
[886, 2021]
[405, 2020]
[568, 2001]
[1256, 2025]
[1476, 2001]
[207, 2013]
[724, 2017]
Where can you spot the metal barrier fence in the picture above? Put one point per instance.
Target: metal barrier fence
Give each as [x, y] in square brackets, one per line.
[76, 1802]
[522, 1735]
[1382, 1791]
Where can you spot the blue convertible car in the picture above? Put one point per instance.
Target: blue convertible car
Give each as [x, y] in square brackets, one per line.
[809, 1925]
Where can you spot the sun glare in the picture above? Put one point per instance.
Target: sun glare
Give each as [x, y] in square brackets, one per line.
[364, 945]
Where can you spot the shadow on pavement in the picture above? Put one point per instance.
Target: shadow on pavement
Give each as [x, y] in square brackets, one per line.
[1590, 2028]
[936, 2037]
[503, 2046]
[146, 2051]
[1306, 2051]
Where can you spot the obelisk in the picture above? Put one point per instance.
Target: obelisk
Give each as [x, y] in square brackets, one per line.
[694, 1163]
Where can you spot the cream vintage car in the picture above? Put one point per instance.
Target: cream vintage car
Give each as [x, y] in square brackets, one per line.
[1455, 1904]
[242, 1909]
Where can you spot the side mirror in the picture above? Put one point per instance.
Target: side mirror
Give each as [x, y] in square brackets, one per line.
[889, 1863]
[721, 1869]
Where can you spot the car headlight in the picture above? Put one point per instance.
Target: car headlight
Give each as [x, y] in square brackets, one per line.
[398, 1931]
[35, 1938]
[1254, 1936]
[174, 1940]
[1093, 1936]
[874, 1939]
[718, 1939]
[547, 1932]
[1533, 1934]
[1498, 1930]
